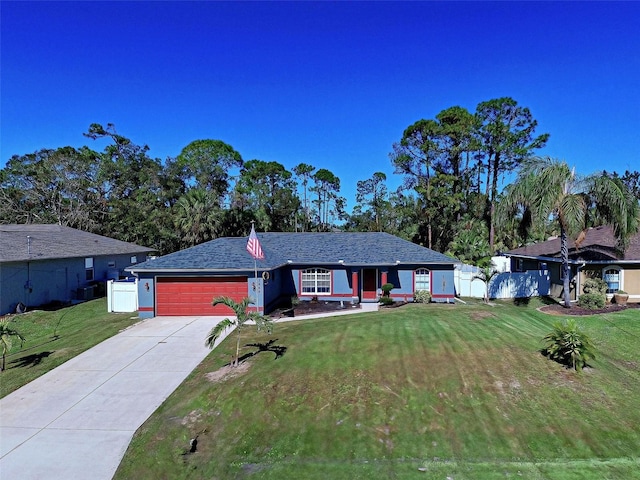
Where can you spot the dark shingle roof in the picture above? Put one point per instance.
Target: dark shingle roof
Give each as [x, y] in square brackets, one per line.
[56, 241]
[598, 244]
[300, 249]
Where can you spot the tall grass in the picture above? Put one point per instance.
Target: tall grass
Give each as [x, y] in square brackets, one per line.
[423, 391]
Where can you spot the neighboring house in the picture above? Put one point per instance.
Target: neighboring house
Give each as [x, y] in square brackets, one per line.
[41, 264]
[595, 256]
[349, 267]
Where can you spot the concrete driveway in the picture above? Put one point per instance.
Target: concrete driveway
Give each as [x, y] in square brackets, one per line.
[76, 421]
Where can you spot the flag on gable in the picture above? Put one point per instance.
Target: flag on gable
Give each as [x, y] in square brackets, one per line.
[253, 245]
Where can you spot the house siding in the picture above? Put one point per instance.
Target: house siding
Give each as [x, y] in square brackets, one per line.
[632, 282]
[442, 285]
[402, 284]
[402, 280]
[340, 283]
[146, 296]
[36, 283]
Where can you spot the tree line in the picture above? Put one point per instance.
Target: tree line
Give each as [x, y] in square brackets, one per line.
[450, 198]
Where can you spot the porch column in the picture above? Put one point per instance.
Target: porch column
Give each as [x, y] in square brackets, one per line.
[355, 291]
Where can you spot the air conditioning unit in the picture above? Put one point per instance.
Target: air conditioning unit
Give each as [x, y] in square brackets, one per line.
[85, 293]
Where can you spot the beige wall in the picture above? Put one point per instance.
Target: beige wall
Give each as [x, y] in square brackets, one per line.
[630, 279]
[631, 283]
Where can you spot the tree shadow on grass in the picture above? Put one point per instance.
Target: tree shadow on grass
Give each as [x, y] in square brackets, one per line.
[525, 301]
[30, 360]
[269, 346]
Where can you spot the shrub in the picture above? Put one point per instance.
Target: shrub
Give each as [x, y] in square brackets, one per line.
[568, 345]
[591, 301]
[595, 285]
[386, 301]
[386, 289]
[422, 296]
[621, 292]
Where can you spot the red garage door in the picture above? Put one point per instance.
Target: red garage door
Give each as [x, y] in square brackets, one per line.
[193, 296]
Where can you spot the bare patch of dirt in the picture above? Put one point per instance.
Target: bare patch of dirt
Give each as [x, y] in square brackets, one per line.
[480, 315]
[192, 418]
[227, 372]
[576, 310]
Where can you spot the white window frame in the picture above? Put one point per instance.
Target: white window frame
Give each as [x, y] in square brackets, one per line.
[418, 279]
[314, 281]
[88, 268]
[620, 278]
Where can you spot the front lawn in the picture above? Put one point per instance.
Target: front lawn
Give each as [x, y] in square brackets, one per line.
[53, 337]
[421, 391]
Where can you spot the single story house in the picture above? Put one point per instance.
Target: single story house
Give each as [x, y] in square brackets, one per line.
[349, 267]
[41, 264]
[593, 257]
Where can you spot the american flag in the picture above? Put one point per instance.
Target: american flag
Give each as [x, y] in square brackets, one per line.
[253, 245]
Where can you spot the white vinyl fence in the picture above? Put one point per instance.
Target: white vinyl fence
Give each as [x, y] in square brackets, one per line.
[531, 283]
[122, 296]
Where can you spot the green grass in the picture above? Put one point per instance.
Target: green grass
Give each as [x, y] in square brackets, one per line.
[422, 391]
[53, 337]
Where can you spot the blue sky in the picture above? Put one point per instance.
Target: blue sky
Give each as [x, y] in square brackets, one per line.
[330, 84]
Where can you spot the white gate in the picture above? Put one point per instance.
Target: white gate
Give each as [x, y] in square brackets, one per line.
[122, 296]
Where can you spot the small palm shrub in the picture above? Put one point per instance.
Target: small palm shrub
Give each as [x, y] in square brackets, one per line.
[386, 301]
[422, 296]
[568, 345]
[592, 301]
[386, 289]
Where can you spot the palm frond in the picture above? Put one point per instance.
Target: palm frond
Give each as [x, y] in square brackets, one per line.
[239, 308]
[263, 322]
[216, 331]
[616, 205]
[571, 212]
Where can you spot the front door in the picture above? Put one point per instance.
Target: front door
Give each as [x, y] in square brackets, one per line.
[369, 284]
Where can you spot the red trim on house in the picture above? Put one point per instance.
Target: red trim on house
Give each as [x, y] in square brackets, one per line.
[145, 309]
[442, 295]
[354, 284]
[383, 278]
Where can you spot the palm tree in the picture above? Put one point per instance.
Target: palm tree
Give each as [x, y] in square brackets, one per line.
[242, 316]
[548, 188]
[196, 217]
[6, 334]
[486, 274]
